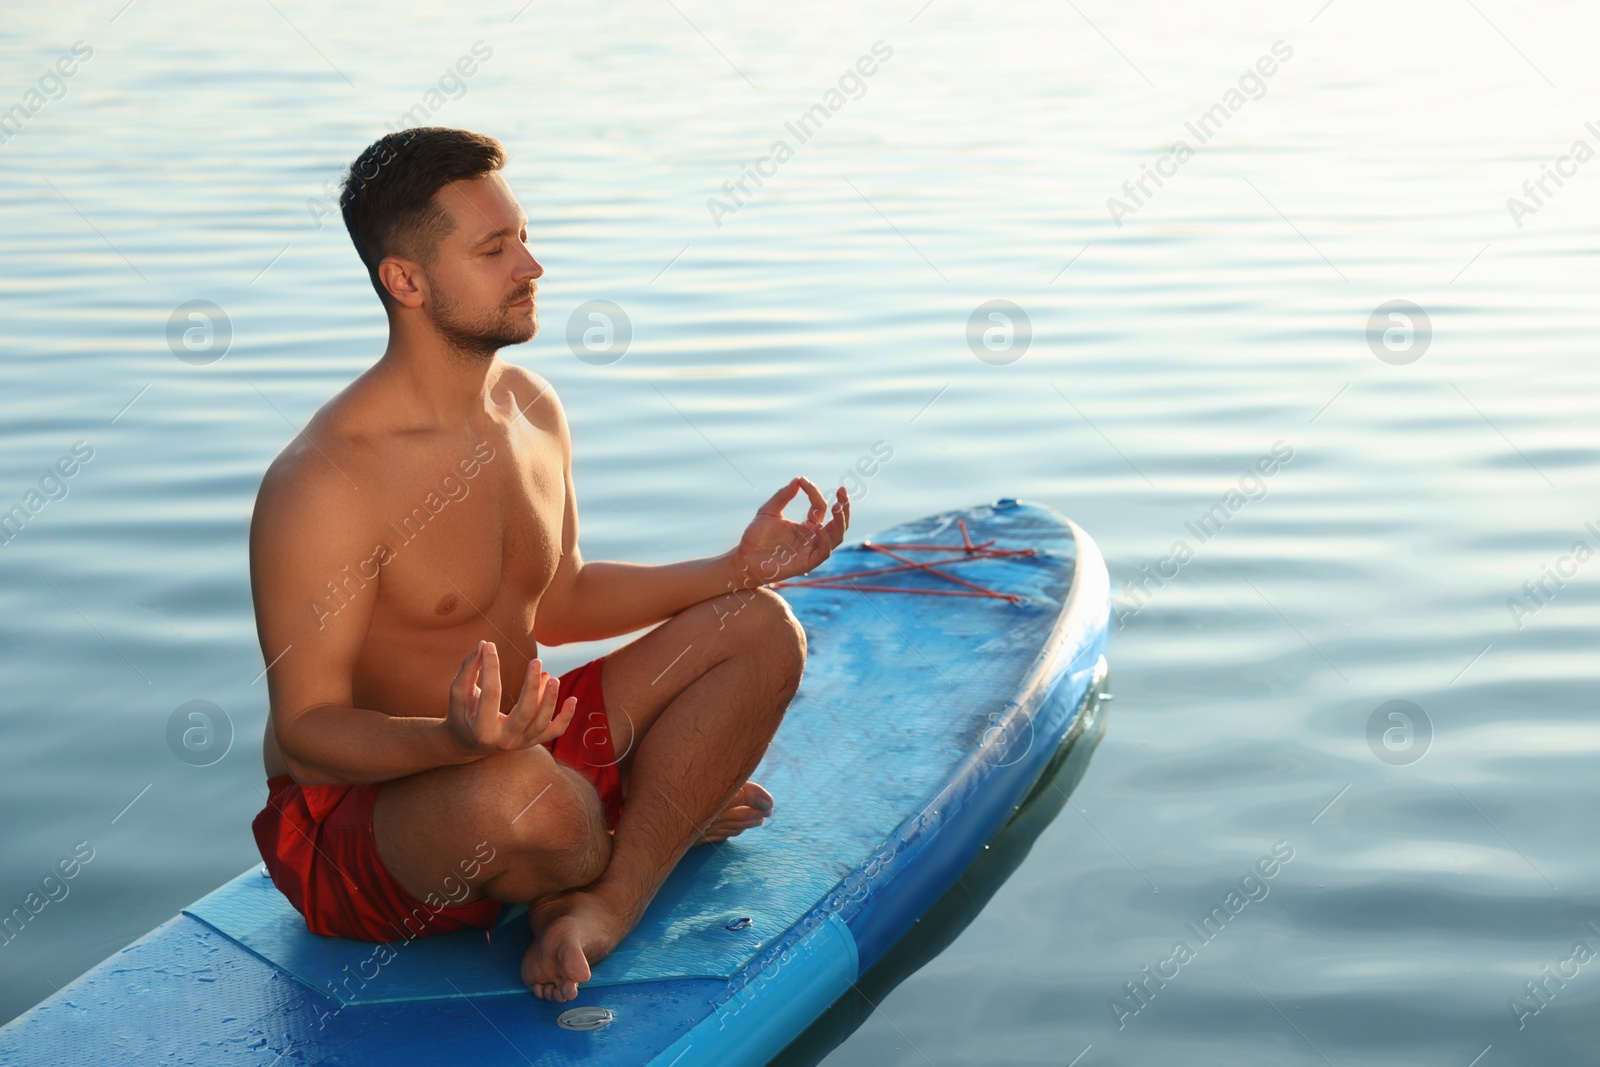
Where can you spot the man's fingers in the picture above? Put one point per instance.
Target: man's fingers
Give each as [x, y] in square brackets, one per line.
[489, 679]
[547, 704]
[464, 685]
[468, 674]
[779, 500]
[463, 680]
[526, 710]
[841, 519]
[563, 719]
[819, 506]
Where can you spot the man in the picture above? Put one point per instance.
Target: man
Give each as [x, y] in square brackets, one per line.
[410, 550]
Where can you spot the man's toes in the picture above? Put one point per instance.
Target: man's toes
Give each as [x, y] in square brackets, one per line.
[751, 807]
[727, 830]
[574, 962]
[754, 795]
[574, 968]
[734, 821]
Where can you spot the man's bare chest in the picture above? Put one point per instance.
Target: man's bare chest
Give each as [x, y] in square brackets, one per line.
[467, 530]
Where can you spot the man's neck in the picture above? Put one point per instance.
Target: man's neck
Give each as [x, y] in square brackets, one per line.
[439, 383]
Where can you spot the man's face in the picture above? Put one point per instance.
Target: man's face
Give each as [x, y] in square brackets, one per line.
[481, 291]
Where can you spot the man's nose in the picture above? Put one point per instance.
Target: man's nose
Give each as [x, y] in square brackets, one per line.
[530, 268]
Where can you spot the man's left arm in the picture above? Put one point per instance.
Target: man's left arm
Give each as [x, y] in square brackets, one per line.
[592, 601]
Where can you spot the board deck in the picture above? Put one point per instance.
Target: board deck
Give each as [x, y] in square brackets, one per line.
[920, 723]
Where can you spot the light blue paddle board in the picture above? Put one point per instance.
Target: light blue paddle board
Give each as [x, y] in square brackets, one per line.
[919, 726]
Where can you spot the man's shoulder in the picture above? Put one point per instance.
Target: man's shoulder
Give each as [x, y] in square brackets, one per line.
[307, 478]
[529, 387]
[326, 464]
[535, 398]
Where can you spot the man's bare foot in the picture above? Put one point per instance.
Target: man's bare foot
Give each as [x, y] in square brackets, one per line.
[749, 808]
[572, 930]
[576, 929]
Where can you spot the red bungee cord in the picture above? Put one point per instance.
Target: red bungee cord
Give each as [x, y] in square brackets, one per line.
[968, 550]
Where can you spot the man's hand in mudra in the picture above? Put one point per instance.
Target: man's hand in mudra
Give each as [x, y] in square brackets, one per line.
[774, 548]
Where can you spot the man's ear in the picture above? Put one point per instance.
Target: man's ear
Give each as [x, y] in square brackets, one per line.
[404, 279]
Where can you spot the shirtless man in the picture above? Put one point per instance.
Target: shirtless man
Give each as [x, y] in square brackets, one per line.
[410, 550]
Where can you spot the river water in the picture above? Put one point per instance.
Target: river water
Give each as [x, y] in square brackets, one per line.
[1356, 571]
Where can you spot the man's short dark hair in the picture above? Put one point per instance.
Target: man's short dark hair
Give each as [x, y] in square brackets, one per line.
[387, 199]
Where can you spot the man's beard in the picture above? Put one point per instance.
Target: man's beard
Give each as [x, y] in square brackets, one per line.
[483, 335]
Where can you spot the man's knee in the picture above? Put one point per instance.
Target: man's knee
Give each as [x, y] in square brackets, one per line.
[775, 633]
[765, 617]
[559, 832]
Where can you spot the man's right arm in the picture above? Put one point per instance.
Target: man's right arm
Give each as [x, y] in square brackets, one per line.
[309, 525]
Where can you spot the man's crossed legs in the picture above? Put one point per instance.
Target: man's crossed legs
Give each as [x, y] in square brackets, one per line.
[692, 706]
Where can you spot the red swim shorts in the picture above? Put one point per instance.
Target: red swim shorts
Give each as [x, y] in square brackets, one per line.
[319, 850]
